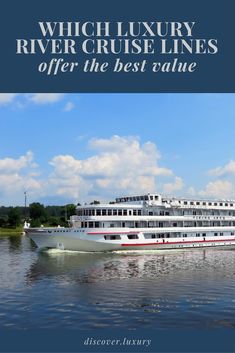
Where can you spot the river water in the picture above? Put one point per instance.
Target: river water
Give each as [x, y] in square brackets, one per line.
[174, 289]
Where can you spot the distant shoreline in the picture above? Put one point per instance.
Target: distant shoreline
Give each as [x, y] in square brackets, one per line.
[11, 231]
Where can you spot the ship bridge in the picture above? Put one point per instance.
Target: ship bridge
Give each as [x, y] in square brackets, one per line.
[150, 199]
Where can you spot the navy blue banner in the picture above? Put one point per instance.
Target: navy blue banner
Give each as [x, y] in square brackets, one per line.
[107, 341]
[122, 46]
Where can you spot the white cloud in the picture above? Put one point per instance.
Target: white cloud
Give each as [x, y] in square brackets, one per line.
[176, 185]
[116, 166]
[45, 98]
[36, 98]
[68, 106]
[6, 98]
[16, 176]
[9, 165]
[119, 165]
[228, 169]
[218, 189]
[191, 191]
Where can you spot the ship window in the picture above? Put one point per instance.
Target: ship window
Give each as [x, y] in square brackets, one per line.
[231, 204]
[82, 224]
[185, 202]
[146, 198]
[114, 212]
[215, 234]
[90, 224]
[93, 212]
[98, 212]
[123, 224]
[134, 213]
[139, 212]
[150, 236]
[203, 234]
[112, 237]
[120, 212]
[96, 224]
[103, 212]
[150, 213]
[124, 212]
[226, 204]
[85, 225]
[209, 203]
[130, 212]
[198, 203]
[174, 224]
[132, 236]
[232, 233]
[109, 212]
[221, 234]
[89, 212]
[204, 203]
[221, 204]
[191, 203]
[151, 198]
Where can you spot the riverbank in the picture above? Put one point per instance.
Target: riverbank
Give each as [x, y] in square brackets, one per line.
[11, 231]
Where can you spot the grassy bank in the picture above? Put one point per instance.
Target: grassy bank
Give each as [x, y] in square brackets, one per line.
[11, 231]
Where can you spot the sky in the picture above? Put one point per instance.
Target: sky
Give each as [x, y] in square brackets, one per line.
[63, 148]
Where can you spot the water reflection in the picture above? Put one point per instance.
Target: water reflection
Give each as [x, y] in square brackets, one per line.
[91, 268]
[178, 289]
[74, 290]
[15, 242]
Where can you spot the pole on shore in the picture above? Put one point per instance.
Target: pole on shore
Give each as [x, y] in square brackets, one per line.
[25, 204]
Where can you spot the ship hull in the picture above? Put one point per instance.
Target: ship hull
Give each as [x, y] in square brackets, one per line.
[82, 242]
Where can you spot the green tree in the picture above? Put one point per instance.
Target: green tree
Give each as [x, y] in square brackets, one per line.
[35, 223]
[14, 217]
[37, 212]
[66, 212]
[3, 222]
[70, 209]
[53, 221]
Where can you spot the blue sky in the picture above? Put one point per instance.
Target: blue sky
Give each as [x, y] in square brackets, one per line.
[77, 147]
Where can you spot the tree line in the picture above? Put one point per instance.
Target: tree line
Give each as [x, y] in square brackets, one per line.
[36, 214]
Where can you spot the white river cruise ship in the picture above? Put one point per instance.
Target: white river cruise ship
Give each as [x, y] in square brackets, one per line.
[146, 222]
